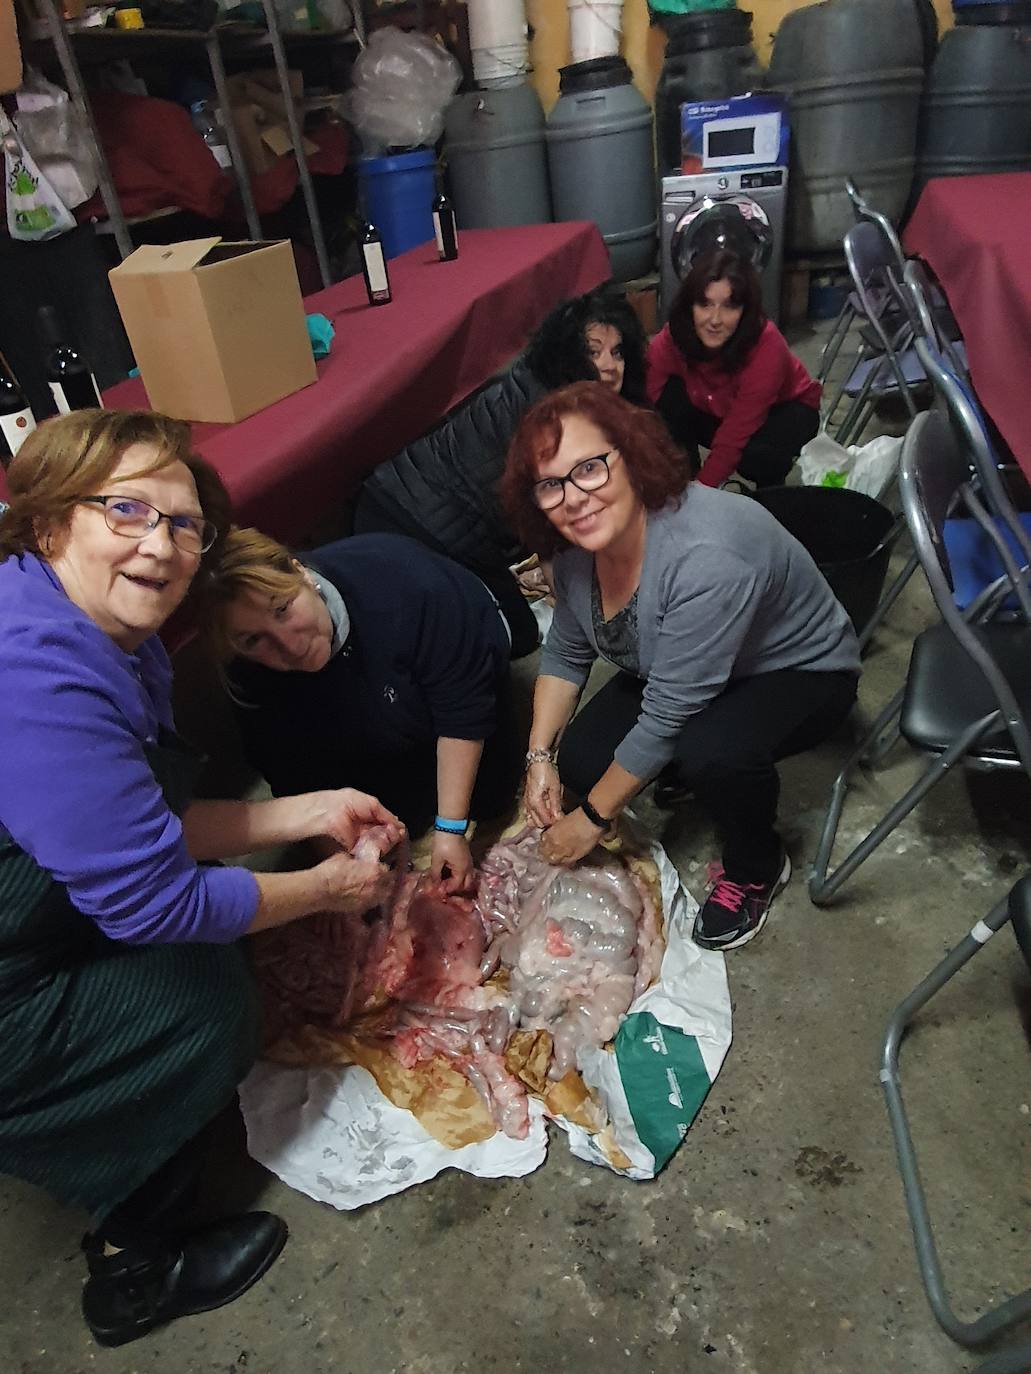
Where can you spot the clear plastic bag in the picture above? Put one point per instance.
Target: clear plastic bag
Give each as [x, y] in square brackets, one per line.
[401, 85]
[34, 209]
[52, 132]
[868, 468]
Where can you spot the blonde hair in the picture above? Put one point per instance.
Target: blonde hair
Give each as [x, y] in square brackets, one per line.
[249, 562]
[72, 456]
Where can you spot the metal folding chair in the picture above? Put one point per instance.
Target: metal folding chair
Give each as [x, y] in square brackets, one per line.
[852, 309]
[1015, 909]
[968, 689]
[886, 363]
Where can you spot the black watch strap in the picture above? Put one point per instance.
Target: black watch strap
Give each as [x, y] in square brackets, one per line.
[593, 816]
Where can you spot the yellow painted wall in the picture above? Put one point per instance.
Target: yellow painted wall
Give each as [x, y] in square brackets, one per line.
[643, 46]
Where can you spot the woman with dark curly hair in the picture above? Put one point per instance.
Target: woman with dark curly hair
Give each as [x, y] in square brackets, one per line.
[723, 377]
[443, 489]
[732, 651]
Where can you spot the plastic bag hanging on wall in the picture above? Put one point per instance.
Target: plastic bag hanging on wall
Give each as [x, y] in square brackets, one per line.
[56, 138]
[34, 209]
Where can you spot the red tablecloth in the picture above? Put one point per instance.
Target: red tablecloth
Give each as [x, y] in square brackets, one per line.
[975, 232]
[393, 370]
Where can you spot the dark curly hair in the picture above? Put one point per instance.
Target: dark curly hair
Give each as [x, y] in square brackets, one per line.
[557, 354]
[657, 469]
[746, 291]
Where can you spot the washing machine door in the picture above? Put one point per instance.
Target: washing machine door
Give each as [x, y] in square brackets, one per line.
[732, 221]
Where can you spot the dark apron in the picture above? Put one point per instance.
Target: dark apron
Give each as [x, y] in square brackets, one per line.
[114, 1055]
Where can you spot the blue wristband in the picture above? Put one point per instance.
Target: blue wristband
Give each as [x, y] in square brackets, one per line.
[449, 827]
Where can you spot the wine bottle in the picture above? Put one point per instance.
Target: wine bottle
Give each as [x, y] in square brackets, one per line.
[445, 228]
[374, 267]
[73, 384]
[16, 418]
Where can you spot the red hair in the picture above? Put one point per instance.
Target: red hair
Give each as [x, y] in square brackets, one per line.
[657, 469]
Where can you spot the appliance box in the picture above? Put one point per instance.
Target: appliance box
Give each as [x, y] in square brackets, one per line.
[728, 135]
[218, 329]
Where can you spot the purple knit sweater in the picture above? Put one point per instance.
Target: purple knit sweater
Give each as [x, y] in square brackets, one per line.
[76, 790]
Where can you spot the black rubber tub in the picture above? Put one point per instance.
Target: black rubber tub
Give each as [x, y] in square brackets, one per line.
[848, 535]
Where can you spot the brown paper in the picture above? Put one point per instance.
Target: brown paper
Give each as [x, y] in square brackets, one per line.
[442, 1100]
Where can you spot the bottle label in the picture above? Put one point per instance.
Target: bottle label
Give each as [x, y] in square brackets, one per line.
[84, 384]
[16, 429]
[376, 266]
[439, 231]
[222, 156]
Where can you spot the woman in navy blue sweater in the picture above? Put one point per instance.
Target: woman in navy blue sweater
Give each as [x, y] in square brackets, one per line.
[374, 659]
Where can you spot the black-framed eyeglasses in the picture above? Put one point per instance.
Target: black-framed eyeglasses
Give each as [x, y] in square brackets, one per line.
[587, 475]
[136, 519]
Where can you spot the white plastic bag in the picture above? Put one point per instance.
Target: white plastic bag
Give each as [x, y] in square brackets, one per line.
[55, 138]
[34, 209]
[400, 86]
[868, 468]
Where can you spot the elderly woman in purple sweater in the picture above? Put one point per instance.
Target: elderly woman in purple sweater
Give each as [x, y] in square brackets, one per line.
[120, 981]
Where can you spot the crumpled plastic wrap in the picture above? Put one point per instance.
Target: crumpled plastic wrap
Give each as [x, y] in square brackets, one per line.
[400, 87]
[329, 1131]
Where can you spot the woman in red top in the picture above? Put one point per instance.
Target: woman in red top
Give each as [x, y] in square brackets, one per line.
[722, 376]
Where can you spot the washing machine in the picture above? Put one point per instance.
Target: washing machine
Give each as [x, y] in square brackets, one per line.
[743, 210]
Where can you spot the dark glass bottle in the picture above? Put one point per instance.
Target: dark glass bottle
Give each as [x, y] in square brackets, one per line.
[445, 228]
[73, 384]
[16, 418]
[374, 266]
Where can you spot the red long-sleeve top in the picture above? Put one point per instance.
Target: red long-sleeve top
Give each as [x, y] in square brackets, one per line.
[740, 400]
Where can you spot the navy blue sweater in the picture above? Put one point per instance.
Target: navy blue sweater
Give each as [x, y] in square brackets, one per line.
[423, 659]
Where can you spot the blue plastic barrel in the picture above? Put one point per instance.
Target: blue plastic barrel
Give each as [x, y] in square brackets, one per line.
[397, 193]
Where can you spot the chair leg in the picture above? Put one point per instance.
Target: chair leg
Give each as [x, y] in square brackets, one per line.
[1015, 1309]
[888, 600]
[835, 339]
[822, 886]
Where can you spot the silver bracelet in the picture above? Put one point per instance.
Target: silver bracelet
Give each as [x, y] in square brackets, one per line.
[539, 756]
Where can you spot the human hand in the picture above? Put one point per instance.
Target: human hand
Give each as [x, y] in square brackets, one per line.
[452, 852]
[354, 886]
[542, 794]
[569, 839]
[346, 813]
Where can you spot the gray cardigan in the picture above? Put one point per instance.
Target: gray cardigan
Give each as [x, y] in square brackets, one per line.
[725, 592]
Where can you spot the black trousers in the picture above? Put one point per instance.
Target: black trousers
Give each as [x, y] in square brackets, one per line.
[724, 754]
[372, 518]
[767, 457]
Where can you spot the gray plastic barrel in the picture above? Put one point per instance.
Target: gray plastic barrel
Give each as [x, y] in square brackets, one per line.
[976, 111]
[708, 57]
[497, 163]
[599, 141]
[853, 70]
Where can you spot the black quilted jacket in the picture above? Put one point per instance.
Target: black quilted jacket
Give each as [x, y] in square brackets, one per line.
[443, 487]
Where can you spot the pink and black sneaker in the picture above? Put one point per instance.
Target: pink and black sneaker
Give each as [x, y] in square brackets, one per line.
[734, 913]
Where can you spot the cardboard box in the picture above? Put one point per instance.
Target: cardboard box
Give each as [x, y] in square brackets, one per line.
[217, 328]
[10, 52]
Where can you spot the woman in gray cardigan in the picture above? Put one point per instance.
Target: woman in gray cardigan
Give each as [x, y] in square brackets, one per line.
[731, 648]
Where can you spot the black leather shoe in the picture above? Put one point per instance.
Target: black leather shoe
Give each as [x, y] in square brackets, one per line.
[129, 1293]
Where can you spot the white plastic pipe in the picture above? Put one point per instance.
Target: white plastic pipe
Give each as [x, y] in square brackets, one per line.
[498, 41]
[595, 28]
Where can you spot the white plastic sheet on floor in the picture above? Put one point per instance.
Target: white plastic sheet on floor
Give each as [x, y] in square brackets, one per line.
[330, 1133]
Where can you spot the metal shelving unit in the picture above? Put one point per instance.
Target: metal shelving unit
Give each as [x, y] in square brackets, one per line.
[75, 48]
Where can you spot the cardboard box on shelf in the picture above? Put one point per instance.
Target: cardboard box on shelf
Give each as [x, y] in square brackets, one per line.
[259, 114]
[10, 52]
[217, 328]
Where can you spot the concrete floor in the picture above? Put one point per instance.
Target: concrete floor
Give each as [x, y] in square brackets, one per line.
[776, 1241]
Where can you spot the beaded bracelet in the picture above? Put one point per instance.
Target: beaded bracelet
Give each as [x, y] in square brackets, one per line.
[539, 756]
